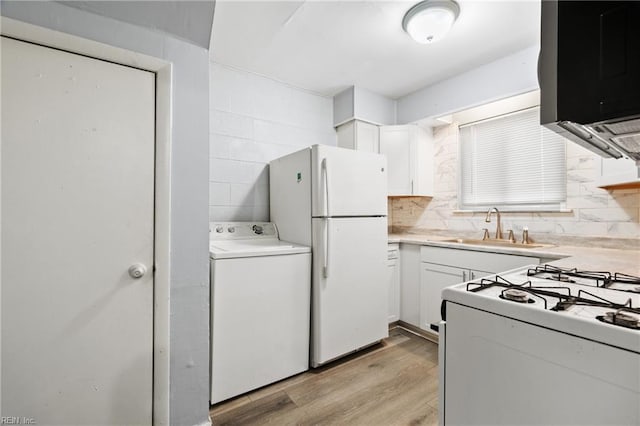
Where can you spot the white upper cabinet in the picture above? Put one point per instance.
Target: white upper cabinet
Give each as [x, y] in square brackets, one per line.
[618, 174]
[409, 152]
[358, 135]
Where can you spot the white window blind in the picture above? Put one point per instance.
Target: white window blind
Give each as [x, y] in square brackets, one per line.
[513, 162]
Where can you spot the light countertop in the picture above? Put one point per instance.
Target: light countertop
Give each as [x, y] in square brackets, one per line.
[567, 256]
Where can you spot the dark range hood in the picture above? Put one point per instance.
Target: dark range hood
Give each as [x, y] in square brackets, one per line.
[589, 74]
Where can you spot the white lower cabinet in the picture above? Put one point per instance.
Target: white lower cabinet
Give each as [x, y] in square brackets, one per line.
[441, 267]
[393, 277]
[433, 279]
[410, 284]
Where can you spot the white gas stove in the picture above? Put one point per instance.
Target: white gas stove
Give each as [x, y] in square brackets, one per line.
[593, 305]
[541, 336]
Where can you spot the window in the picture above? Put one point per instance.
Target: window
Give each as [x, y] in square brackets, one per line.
[511, 161]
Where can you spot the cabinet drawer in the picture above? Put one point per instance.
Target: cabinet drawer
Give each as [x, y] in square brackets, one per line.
[479, 260]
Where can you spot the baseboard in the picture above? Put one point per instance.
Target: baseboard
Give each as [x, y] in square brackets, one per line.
[415, 330]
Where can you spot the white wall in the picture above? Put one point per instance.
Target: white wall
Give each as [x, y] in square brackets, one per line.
[184, 20]
[365, 105]
[189, 323]
[508, 76]
[373, 107]
[253, 121]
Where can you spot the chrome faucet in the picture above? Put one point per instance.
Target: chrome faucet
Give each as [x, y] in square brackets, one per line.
[498, 226]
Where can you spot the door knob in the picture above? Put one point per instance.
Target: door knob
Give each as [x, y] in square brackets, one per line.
[137, 270]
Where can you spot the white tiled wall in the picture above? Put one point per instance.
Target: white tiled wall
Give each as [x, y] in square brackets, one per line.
[254, 120]
[594, 211]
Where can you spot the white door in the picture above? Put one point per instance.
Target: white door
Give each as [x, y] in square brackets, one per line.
[347, 182]
[77, 211]
[349, 290]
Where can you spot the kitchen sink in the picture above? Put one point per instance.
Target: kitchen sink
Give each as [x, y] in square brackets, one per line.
[494, 243]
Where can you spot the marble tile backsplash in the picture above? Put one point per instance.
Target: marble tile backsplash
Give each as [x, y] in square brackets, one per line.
[594, 212]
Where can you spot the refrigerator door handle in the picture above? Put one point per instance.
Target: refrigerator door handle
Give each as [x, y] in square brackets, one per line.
[327, 233]
[325, 168]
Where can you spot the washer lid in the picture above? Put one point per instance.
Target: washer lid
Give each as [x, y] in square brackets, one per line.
[227, 249]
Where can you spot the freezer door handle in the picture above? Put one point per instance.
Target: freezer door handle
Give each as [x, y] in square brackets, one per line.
[325, 168]
[327, 237]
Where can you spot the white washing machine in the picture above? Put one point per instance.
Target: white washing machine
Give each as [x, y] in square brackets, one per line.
[260, 307]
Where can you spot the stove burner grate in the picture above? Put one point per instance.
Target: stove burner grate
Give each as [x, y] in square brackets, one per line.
[619, 278]
[554, 273]
[520, 293]
[624, 278]
[537, 292]
[576, 276]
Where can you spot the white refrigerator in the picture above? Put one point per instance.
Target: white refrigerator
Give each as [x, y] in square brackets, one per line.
[335, 200]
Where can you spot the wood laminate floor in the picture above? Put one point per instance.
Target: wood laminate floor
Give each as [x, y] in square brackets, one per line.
[392, 383]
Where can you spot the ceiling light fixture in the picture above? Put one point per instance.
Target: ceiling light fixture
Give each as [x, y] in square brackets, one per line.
[430, 20]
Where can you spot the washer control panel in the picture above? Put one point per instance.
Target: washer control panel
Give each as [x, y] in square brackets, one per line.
[242, 230]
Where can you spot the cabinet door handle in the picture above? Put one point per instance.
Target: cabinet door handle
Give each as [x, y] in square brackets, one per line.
[412, 187]
[464, 276]
[473, 275]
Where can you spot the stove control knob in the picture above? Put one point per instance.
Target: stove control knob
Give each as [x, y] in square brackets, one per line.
[231, 229]
[257, 229]
[219, 229]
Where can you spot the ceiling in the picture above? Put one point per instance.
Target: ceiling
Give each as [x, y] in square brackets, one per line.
[327, 46]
